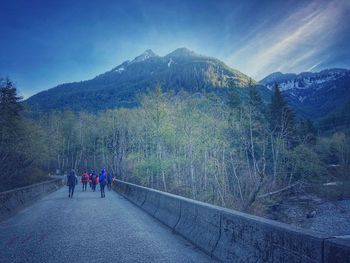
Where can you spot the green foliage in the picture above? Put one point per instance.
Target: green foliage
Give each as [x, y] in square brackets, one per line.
[305, 164]
[337, 120]
[20, 150]
[229, 152]
[281, 116]
[10, 109]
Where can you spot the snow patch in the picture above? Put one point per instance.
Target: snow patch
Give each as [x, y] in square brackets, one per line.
[120, 70]
[307, 80]
[170, 62]
[302, 98]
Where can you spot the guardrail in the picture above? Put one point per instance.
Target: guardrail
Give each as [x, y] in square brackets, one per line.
[15, 200]
[232, 236]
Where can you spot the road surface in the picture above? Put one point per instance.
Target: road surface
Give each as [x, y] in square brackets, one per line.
[88, 228]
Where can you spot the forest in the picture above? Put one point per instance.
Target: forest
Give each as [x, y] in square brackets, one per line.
[237, 153]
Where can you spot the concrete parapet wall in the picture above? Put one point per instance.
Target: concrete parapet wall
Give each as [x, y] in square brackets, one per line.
[337, 249]
[232, 236]
[248, 238]
[151, 203]
[14, 200]
[169, 210]
[200, 224]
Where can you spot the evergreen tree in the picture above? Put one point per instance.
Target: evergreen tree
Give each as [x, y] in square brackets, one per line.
[234, 100]
[281, 116]
[10, 109]
[254, 99]
[307, 132]
[234, 104]
[12, 141]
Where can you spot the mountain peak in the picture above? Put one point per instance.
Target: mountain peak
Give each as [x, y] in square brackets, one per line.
[277, 77]
[182, 69]
[145, 55]
[182, 52]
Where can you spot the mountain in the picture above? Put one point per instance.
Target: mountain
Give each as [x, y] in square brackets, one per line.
[119, 87]
[338, 119]
[313, 95]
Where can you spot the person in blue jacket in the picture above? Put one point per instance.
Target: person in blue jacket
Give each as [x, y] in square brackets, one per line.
[72, 181]
[102, 181]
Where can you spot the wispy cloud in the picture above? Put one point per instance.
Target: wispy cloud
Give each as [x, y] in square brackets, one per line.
[293, 43]
[314, 66]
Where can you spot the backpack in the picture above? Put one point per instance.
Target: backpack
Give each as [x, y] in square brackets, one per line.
[102, 180]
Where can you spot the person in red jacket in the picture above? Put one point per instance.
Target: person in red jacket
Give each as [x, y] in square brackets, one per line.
[84, 180]
[94, 181]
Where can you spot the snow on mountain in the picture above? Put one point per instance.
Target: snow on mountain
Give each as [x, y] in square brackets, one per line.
[303, 80]
[120, 70]
[170, 62]
[312, 94]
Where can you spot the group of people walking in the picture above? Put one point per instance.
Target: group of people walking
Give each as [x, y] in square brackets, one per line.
[103, 179]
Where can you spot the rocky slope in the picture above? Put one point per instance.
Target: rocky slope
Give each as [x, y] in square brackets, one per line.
[313, 95]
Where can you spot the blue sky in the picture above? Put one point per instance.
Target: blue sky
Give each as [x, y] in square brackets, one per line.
[46, 43]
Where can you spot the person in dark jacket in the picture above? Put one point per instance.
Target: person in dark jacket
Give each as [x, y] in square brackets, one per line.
[109, 181]
[72, 181]
[90, 178]
[102, 180]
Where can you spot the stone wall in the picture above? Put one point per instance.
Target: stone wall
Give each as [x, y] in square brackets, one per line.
[14, 200]
[231, 236]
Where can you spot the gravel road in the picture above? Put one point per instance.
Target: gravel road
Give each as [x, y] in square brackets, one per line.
[88, 228]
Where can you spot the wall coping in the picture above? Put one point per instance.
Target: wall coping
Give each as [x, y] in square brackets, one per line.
[250, 217]
[28, 186]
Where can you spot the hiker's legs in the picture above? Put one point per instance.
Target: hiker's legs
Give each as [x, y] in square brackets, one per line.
[102, 186]
[73, 186]
[71, 189]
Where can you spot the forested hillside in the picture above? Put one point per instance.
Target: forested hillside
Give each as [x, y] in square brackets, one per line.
[243, 154]
[182, 69]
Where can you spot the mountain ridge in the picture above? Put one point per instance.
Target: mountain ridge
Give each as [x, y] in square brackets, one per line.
[313, 94]
[118, 87]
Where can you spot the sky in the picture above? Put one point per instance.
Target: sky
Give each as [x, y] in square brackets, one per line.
[46, 43]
